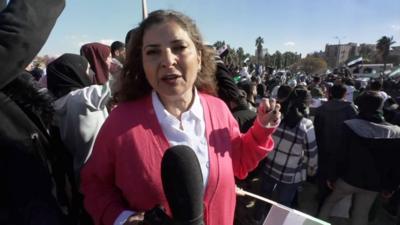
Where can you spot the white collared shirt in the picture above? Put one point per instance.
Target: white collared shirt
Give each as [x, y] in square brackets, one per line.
[192, 133]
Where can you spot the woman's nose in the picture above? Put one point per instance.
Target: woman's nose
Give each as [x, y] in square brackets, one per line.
[168, 58]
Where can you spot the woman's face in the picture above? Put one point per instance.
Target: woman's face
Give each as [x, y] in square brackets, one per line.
[170, 60]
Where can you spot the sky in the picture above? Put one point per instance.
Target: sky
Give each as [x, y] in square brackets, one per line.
[302, 26]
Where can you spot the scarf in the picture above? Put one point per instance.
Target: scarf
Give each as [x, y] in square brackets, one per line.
[295, 108]
[67, 73]
[97, 55]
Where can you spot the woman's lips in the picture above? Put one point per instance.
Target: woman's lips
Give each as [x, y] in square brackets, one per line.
[170, 79]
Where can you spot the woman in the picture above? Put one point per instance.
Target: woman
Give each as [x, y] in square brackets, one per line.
[295, 153]
[99, 57]
[166, 100]
[80, 108]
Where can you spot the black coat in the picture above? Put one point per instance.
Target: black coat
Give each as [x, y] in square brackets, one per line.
[25, 191]
[369, 163]
[328, 124]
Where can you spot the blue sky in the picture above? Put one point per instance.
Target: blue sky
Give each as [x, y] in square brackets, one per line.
[301, 26]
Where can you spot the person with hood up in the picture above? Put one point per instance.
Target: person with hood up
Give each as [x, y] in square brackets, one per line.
[81, 107]
[29, 191]
[99, 57]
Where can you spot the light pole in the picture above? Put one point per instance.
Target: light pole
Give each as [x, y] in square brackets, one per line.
[144, 9]
[339, 49]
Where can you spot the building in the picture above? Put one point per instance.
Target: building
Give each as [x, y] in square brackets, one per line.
[395, 51]
[367, 52]
[319, 54]
[336, 55]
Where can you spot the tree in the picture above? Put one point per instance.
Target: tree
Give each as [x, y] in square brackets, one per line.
[383, 47]
[259, 46]
[232, 59]
[313, 65]
[241, 56]
[289, 58]
[276, 60]
[367, 53]
[219, 44]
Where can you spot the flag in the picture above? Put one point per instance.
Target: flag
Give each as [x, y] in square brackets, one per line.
[281, 215]
[355, 62]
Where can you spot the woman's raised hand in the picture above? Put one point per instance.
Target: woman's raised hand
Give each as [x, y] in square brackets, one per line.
[268, 113]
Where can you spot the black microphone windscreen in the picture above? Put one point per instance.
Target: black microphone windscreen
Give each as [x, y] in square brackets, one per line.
[183, 184]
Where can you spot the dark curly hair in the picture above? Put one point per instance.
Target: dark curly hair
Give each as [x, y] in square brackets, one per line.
[133, 82]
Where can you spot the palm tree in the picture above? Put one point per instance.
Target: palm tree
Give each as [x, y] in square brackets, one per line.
[232, 58]
[366, 52]
[383, 47]
[259, 45]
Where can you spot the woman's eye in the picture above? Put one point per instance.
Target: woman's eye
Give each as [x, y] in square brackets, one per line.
[179, 48]
[152, 52]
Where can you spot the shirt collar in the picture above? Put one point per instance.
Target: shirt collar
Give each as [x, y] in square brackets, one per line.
[163, 115]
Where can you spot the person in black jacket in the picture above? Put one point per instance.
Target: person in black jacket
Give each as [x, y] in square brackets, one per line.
[366, 160]
[328, 122]
[27, 193]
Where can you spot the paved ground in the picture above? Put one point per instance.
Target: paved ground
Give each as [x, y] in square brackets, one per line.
[307, 203]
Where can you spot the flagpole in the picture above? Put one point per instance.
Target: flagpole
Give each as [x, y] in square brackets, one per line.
[144, 9]
[242, 192]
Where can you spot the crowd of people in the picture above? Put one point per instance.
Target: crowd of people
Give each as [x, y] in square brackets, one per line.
[336, 132]
[82, 139]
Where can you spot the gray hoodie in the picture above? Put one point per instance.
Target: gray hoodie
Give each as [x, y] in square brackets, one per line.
[79, 117]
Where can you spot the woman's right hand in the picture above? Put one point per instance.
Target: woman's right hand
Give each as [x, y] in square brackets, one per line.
[135, 219]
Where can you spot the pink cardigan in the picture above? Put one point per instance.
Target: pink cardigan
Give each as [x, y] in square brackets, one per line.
[124, 172]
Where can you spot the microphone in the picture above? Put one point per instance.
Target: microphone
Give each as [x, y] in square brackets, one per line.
[183, 185]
